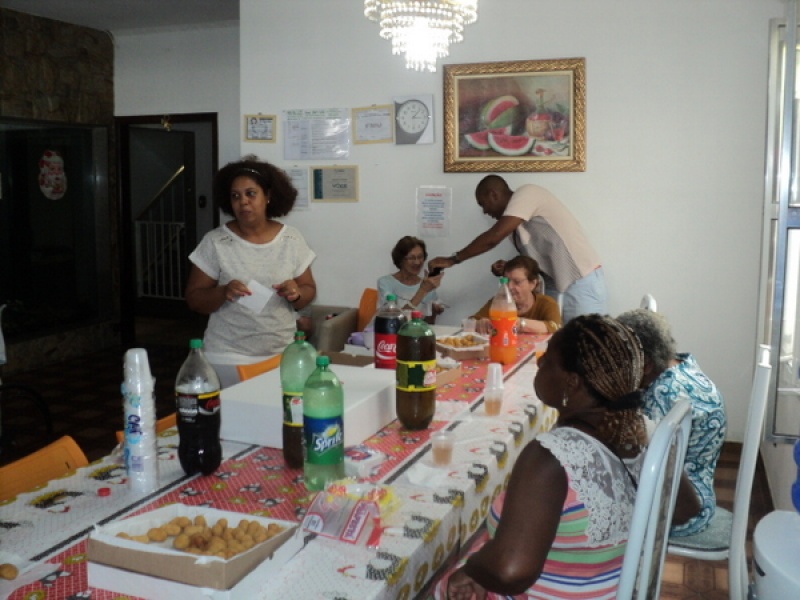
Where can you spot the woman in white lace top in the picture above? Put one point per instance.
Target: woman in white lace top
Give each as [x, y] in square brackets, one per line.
[560, 529]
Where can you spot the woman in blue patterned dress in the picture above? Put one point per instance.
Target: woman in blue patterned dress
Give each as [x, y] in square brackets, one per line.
[669, 376]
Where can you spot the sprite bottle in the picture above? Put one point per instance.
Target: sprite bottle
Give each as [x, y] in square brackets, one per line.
[323, 424]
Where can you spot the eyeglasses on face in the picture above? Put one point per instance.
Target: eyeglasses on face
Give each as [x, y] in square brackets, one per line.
[414, 258]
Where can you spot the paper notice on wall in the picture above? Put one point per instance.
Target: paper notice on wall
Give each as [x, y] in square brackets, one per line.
[299, 178]
[433, 211]
[313, 134]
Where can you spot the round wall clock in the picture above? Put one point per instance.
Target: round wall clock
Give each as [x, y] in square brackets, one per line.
[411, 120]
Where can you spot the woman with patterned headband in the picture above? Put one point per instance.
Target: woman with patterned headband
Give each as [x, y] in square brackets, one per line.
[560, 529]
[256, 251]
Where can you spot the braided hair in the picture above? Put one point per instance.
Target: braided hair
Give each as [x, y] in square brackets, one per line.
[609, 358]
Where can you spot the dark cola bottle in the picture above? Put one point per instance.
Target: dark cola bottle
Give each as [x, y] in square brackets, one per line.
[415, 386]
[198, 413]
[388, 322]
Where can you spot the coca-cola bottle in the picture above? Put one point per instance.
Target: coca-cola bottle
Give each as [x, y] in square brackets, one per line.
[197, 400]
[388, 322]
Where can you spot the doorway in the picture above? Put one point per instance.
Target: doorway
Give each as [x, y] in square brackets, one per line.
[166, 168]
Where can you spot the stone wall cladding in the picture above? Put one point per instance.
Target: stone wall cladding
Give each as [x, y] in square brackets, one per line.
[55, 71]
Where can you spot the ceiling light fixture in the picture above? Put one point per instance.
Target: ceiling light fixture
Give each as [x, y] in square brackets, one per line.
[422, 30]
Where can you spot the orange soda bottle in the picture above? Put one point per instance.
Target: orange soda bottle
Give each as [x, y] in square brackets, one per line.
[503, 315]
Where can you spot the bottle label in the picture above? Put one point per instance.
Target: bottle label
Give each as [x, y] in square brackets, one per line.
[190, 406]
[324, 440]
[504, 332]
[416, 376]
[293, 409]
[385, 350]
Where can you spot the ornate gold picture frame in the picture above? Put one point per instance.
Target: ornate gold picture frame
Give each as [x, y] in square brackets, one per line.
[526, 115]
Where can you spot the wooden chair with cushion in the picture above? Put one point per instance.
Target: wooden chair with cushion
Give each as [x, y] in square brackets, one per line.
[54, 460]
[251, 370]
[161, 425]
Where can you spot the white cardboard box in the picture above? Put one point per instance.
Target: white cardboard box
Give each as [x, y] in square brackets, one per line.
[108, 554]
[252, 410]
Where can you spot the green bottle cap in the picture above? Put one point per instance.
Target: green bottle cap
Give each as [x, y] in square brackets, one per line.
[323, 361]
[299, 335]
[391, 297]
[195, 344]
[504, 279]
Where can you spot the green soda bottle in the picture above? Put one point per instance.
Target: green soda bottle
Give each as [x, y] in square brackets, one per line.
[323, 424]
[297, 363]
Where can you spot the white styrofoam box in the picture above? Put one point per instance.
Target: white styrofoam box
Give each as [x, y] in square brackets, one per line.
[252, 410]
[123, 581]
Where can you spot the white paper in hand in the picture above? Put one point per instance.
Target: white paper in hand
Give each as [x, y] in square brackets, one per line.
[259, 297]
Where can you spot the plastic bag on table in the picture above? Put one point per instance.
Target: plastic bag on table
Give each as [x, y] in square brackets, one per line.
[351, 512]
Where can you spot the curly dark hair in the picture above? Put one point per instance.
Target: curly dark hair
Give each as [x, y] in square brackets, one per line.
[404, 246]
[606, 354]
[272, 180]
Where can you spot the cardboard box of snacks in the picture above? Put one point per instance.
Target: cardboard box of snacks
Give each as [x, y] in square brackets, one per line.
[463, 346]
[157, 570]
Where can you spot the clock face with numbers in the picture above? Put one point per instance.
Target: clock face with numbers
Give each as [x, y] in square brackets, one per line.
[412, 117]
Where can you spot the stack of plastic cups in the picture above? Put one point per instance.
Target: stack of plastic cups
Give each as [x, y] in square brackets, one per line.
[140, 447]
[493, 391]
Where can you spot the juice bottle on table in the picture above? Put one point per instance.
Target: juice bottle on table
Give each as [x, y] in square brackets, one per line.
[503, 315]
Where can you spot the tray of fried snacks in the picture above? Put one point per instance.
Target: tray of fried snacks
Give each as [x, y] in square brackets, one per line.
[463, 346]
[195, 545]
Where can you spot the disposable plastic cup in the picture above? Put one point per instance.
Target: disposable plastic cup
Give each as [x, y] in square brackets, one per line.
[494, 376]
[468, 325]
[493, 401]
[442, 446]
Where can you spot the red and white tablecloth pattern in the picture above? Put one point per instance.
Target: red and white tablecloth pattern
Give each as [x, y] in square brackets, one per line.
[434, 518]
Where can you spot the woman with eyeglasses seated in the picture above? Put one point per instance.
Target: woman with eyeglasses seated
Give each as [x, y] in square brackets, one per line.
[561, 528]
[414, 287]
[536, 312]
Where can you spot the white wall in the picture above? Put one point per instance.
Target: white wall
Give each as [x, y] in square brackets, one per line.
[672, 193]
[187, 70]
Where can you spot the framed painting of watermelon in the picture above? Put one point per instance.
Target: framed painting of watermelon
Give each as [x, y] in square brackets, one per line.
[524, 115]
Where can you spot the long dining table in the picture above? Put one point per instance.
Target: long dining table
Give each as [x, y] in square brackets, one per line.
[45, 531]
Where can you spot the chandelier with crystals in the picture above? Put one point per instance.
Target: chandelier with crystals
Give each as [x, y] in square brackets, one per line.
[422, 30]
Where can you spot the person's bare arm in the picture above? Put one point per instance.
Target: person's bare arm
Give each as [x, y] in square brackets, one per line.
[513, 560]
[204, 295]
[298, 291]
[504, 227]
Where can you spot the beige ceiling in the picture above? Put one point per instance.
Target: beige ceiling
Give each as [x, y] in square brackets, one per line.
[121, 15]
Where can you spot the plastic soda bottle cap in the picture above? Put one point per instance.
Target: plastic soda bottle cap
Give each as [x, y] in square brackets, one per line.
[104, 491]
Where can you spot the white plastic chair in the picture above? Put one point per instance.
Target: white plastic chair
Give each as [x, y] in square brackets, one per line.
[640, 578]
[726, 535]
[649, 303]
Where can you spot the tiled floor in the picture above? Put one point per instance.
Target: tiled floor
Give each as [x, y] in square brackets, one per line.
[84, 399]
[83, 394]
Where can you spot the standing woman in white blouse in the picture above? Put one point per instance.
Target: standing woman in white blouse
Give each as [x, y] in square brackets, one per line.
[253, 252]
